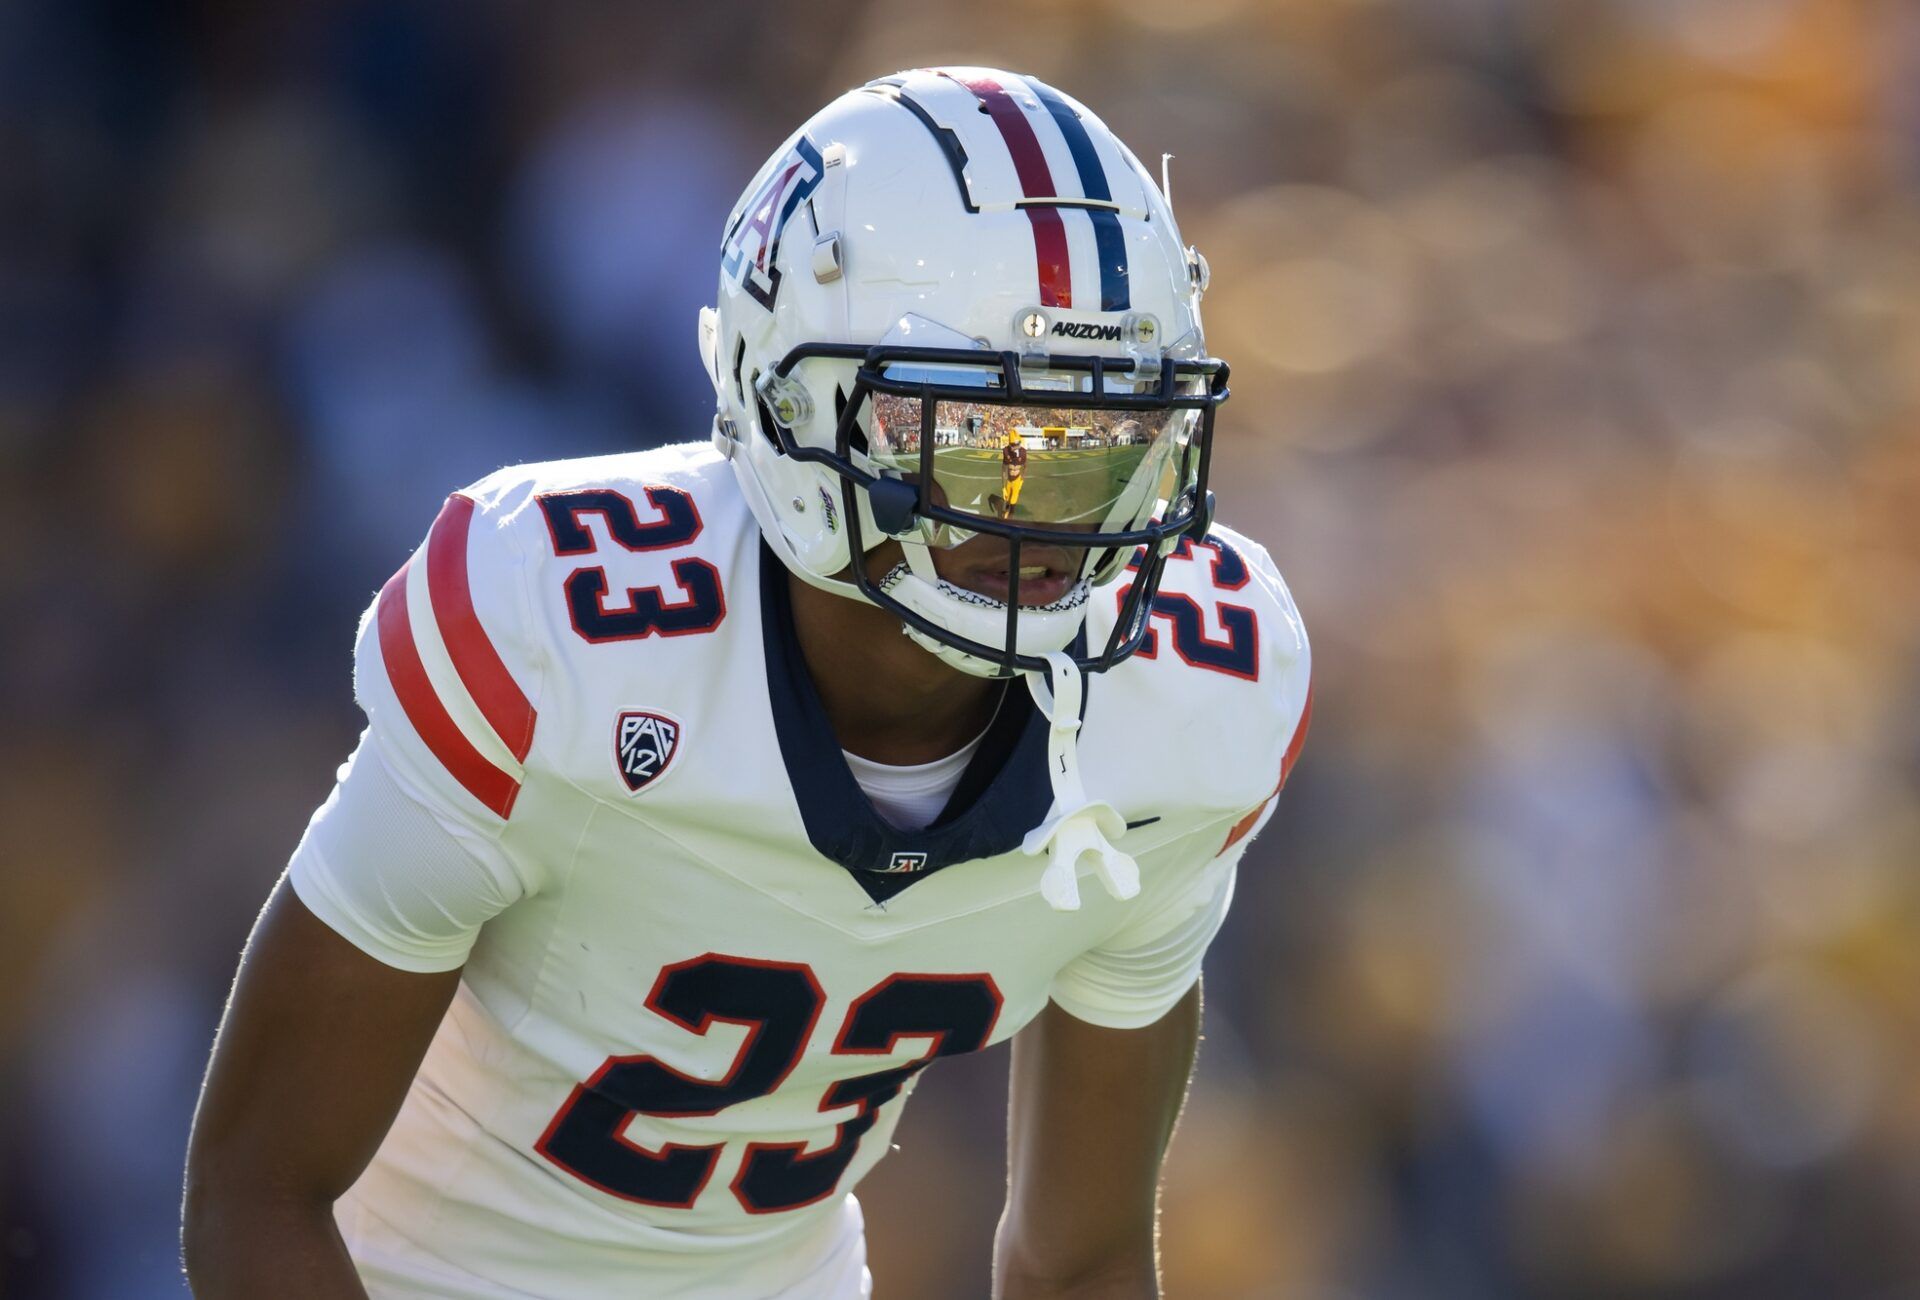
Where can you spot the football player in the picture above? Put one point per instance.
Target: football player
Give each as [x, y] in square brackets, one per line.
[1013, 469]
[708, 794]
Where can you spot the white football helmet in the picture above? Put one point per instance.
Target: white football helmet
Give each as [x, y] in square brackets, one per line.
[953, 303]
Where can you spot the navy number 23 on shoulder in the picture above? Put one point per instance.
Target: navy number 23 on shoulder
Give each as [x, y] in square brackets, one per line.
[647, 611]
[1236, 652]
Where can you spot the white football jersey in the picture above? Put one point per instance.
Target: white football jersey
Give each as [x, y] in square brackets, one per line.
[700, 971]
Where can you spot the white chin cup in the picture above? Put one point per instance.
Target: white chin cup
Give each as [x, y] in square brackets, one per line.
[1042, 629]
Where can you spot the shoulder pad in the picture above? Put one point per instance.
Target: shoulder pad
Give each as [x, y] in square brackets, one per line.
[1214, 705]
[522, 571]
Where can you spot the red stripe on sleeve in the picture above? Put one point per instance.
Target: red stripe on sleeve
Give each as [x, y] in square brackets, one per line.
[485, 782]
[501, 701]
[1245, 824]
[1299, 739]
[1036, 181]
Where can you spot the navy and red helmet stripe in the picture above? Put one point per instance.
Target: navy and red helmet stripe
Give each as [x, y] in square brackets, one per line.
[1036, 182]
[1046, 206]
[1116, 292]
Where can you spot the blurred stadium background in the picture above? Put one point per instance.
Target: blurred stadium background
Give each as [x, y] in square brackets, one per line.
[1576, 351]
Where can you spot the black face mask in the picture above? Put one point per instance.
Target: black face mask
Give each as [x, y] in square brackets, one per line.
[1079, 453]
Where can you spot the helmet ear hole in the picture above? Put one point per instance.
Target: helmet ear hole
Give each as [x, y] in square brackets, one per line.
[769, 428]
[739, 356]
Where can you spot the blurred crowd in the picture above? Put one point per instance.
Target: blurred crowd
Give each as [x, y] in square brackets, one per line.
[1576, 351]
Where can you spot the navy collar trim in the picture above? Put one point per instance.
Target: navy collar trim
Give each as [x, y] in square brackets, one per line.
[1004, 793]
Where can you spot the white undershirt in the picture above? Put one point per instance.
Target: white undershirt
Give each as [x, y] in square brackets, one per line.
[909, 798]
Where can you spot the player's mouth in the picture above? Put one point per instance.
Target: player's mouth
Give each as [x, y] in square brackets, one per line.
[1046, 576]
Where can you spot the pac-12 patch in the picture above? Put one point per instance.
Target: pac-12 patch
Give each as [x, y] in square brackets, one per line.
[644, 744]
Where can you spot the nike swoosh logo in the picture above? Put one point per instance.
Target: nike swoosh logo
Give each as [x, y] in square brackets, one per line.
[1144, 821]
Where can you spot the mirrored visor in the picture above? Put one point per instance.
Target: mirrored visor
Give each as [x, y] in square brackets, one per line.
[1090, 470]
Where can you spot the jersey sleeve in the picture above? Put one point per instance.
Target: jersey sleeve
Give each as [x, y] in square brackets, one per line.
[406, 885]
[405, 859]
[1137, 974]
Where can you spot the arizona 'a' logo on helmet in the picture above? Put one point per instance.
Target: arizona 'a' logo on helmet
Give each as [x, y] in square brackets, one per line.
[753, 240]
[645, 743]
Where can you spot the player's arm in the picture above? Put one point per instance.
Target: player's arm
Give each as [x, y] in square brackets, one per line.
[1097, 1082]
[1098, 1078]
[316, 1051]
[1091, 1113]
[359, 951]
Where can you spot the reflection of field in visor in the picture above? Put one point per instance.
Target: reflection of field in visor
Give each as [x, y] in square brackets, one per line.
[1061, 487]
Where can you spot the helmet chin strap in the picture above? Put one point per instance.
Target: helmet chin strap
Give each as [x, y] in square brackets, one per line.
[917, 584]
[1076, 829]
